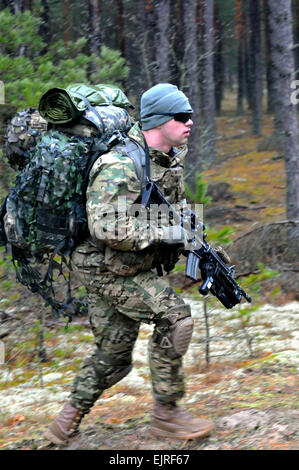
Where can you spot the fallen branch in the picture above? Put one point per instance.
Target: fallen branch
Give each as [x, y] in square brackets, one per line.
[258, 226]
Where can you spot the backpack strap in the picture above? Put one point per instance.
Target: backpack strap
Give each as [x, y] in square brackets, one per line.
[135, 151]
[96, 116]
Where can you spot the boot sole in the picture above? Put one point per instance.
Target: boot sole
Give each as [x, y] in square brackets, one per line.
[163, 433]
[54, 439]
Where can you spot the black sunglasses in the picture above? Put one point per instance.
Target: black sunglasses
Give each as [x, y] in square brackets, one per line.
[181, 117]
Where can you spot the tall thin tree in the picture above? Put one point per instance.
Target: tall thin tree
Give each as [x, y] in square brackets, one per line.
[65, 22]
[190, 83]
[257, 65]
[208, 134]
[162, 9]
[269, 78]
[120, 27]
[283, 68]
[95, 31]
[240, 39]
[219, 66]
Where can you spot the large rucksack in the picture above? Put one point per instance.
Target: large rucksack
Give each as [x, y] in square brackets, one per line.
[43, 217]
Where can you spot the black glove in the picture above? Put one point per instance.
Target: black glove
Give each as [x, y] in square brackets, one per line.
[174, 235]
[171, 255]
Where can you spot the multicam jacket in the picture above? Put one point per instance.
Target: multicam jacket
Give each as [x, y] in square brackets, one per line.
[127, 244]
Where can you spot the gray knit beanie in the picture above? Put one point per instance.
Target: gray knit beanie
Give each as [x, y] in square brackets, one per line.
[162, 98]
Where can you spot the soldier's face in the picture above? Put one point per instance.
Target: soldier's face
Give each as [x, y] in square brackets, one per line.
[176, 133]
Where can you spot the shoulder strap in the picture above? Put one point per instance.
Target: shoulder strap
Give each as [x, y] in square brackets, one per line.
[137, 154]
[135, 151]
[147, 161]
[97, 118]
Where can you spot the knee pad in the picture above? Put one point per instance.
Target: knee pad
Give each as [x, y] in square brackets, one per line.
[174, 331]
[111, 370]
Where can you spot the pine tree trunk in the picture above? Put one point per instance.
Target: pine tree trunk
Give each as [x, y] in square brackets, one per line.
[248, 51]
[44, 29]
[296, 36]
[283, 67]
[120, 27]
[162, 10]
[65, 23]
[176, 40]
[18, 6]
[208, 134]
[218, 62]
[240, 38]
[257, 66]
[144, 42]
[269, 78]
[95, 34]
[190, 81]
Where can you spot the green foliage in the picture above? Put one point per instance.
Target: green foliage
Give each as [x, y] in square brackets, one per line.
[27, 71]
[253, 285]
[221, 237]
[20, 31]
[199, 196]
[109, 67]
[253, 282]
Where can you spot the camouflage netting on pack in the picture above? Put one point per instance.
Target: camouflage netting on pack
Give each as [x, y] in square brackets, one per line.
[44, 215]
[21, 136]
[62, 105]
[45, 198]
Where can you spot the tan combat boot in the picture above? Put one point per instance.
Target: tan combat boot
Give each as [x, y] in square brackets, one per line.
[65, 425]
[172, 421]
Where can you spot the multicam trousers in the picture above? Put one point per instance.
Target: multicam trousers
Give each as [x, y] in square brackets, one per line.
[117, 306]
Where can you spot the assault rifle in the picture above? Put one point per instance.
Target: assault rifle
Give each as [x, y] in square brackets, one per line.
[216, 276]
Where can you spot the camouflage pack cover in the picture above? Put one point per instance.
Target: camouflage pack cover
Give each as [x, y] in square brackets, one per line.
[45, 211]
[48, 193]
[21, 136]
[46, 207]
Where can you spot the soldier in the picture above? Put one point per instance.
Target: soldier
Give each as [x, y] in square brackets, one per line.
[116, 266]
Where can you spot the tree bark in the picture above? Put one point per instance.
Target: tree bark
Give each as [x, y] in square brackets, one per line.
[283, 68]
[120, 27]
[208, 137]
[240, 38]
[95, 35]
[18, 6]
[44, 29]
[144, 42]
[65, 23]
[296, 36]
[218, 62]
[269, 78]
[162, 10]
[190, 85]
[257, 66]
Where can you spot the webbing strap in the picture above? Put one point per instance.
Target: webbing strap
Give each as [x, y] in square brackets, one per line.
[93, 110]
[137, 154]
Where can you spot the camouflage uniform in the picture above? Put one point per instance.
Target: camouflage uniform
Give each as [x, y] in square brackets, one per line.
[122, 287]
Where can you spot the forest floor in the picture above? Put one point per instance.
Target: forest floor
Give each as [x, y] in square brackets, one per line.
[247, 384]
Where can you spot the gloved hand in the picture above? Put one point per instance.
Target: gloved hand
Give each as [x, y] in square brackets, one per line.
[171, 255]
[174, 235]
